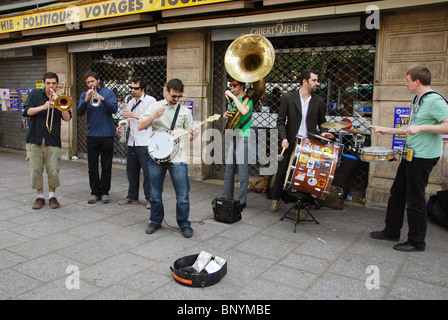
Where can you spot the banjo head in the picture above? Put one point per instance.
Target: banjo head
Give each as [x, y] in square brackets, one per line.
[161, 146]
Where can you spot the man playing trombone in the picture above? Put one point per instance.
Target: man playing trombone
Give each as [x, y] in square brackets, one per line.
[100, 104]
[43, 139]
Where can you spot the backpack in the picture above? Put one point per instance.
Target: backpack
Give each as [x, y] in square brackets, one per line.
[437, 208]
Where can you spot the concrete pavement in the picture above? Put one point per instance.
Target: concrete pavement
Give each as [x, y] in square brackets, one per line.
[42, 252]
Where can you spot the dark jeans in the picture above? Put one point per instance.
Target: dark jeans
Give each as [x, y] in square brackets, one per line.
[137, 158]
[408, 192]
[100, 147]
[181, 184]
[238, 154]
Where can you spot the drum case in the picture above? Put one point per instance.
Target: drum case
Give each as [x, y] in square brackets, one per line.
[225, 210]
[185, 275]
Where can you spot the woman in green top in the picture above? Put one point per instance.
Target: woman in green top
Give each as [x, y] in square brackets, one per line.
[239, 149]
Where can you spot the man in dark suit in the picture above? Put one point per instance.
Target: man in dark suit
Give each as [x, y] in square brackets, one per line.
[300, 112]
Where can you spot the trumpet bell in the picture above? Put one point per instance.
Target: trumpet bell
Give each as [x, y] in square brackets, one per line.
[63, 103]
[249, 58]
[95, 102]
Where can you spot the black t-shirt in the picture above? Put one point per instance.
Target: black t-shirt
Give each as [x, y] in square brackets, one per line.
[37, 128]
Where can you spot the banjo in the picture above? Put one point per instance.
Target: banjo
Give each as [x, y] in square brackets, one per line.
[163, 145]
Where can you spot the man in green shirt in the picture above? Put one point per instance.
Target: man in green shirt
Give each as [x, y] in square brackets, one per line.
[429, 120]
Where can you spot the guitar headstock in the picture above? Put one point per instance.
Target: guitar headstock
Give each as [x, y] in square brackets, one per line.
[213, 117]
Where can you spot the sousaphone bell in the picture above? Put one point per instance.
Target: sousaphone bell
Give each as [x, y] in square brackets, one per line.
[249, 58]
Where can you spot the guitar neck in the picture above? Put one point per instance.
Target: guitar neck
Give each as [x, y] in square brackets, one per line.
[187, 131]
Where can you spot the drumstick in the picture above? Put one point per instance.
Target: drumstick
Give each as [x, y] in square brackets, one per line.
[374, 128]
[280, 156]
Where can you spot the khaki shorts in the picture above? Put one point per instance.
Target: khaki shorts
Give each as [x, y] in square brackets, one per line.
[40, 156]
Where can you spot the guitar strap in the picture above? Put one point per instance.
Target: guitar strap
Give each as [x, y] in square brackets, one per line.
[175, 117]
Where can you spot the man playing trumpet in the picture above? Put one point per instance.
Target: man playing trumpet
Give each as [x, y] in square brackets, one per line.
[43, 146]
[100, 135]
[137, 152]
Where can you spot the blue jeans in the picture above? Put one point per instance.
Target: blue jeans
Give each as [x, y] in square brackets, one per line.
[137, 158]
[181, 184]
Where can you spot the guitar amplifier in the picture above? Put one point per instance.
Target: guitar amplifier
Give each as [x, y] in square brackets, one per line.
[228, 211]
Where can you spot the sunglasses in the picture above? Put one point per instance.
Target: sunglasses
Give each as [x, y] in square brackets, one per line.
[234, 85]
[175, 96]
[134, 88]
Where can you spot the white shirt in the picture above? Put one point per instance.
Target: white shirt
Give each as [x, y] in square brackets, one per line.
[303, 130]
[136, 137]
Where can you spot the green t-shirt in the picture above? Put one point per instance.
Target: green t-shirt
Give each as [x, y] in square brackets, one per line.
[245, 131]
[432, 110]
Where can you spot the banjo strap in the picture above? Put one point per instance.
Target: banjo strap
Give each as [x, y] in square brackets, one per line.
[175, 117]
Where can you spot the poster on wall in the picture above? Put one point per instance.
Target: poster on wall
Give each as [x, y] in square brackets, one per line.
[401, 119]
[23, 97]
[14, 99]
[6, 104]
[188, 104]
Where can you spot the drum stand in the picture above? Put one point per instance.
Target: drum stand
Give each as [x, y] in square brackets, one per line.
[301, 202]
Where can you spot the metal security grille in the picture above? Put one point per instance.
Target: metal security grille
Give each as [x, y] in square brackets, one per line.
[345, 63]
[116, 68]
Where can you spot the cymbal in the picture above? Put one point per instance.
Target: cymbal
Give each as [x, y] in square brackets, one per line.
[354, 130]
[336, 125]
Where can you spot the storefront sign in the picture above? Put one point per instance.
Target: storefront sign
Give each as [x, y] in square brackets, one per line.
[16, 53]
[113, 44]
[92, 11]
[284, 29]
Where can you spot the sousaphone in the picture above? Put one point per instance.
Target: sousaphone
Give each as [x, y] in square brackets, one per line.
[249, 59]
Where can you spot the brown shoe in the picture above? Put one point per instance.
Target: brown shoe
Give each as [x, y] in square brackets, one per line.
[274, 205]
[54, 204]
[39, 203]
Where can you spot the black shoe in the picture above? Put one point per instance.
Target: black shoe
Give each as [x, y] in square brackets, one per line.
[382, 236]
[407, 247]
[187, 232]
[152, 228]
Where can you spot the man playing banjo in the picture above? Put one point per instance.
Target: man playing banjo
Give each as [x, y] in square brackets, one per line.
[168, 114]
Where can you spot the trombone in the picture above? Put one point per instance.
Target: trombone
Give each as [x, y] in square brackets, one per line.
[62, 103]
[95, 102]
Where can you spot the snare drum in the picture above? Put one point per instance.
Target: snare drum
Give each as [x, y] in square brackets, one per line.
[376, 154]
[312, 167]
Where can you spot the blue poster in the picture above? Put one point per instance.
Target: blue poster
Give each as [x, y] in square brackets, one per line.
[14, 98]
[401, 118]
[188, 104]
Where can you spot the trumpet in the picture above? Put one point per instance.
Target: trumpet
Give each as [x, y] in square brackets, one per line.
[123, 128]
[62, 103]
[95, 102]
